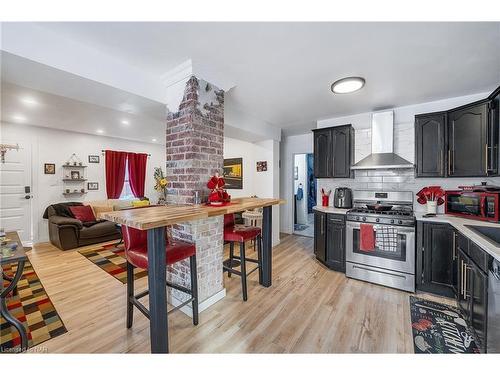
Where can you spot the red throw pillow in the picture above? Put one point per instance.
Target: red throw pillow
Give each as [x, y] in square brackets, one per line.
[82, 213]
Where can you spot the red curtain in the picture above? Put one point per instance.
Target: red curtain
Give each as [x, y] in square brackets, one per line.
[115, 172]
[137, 173]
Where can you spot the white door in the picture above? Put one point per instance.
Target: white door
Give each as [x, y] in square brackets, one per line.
[15, 199]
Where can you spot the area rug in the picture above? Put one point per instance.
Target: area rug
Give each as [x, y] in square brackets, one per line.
[300, 227]
[32, 306]
[111, 258]
[439, 329]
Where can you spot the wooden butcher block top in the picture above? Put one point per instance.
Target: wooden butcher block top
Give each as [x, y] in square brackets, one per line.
[160, 216]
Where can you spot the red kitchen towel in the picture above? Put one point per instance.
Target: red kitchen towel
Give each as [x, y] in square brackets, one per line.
[367, 237]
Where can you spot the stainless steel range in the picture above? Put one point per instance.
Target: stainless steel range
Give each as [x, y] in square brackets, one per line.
[380, 239]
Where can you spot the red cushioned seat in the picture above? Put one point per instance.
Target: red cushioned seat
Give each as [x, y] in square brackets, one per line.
[233, 233]
[136, 248]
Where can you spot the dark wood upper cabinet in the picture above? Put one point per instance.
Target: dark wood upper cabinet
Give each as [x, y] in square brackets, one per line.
[430, 144]
[462, 142]
[468, 141]
[333, 152]
[322, 153]
[343, 151]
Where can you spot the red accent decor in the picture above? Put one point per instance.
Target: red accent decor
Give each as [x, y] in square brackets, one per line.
[324, 200]
[218, 194]
[431, 193]
[137, 173]
[115, 173]
[240, 234]
[366, 237]
[82, 213]
[136, 248]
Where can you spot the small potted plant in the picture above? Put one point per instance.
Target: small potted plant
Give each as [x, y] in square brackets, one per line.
[432, 196]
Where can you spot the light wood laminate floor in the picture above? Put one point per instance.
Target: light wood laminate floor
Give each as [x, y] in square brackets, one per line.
[309, 309]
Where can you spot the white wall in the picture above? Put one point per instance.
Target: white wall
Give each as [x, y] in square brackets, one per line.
[262, 184]
[56, 146]
[296, 144]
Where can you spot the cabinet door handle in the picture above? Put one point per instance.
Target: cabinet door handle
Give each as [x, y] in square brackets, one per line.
[486, 158]
[441, 161]
[449, 161]
[454, 246]
[465, 280]
[462, 277]
[322, 223]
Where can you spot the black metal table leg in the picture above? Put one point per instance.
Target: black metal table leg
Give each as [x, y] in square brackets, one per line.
[8, 278]
[3, 306]
[158, 324]
[265, 277]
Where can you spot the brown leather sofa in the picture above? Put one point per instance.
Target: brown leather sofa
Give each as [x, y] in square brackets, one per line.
[66, 232]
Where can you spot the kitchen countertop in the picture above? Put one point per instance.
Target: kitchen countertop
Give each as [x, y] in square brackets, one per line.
[161, 216]
[459, 224]
[331, 210]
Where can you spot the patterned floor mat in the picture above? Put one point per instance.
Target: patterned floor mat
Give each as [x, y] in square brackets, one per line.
[32, 306]
[111, 258]
[439, 328]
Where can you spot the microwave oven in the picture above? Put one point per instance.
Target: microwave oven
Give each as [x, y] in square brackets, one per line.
[479, 205]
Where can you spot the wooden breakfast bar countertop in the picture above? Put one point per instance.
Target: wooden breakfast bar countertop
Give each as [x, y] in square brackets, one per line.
[155, 219]
[160, 216]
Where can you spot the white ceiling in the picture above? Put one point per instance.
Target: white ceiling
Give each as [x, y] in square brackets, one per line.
[283, 71]
[60, 100]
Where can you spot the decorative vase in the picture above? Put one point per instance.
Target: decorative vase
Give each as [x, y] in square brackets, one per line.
[325, 200]
[431, 207]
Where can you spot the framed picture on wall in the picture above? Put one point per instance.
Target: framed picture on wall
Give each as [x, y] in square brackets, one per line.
[261, 166]
[94, 159]
[233, 173]
[92, 185]
[49, 168]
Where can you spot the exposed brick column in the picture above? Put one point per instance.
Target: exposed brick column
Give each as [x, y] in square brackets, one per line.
[194, 146]
[195, 140]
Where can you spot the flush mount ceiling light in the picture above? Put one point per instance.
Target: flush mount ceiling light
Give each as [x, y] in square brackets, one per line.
[154, 139]
[18, 118]
[29, 101]
[125, 122]
[100, 131]
[347, 85]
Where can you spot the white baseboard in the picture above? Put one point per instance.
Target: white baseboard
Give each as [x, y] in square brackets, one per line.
[188, 310]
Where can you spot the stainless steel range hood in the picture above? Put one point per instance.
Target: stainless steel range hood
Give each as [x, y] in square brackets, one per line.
[383, 156]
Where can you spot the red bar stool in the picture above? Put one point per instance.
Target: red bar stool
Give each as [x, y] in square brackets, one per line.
[240, 234]
[136, 252]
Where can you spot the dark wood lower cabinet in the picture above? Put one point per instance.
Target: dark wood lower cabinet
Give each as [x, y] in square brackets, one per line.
[436, 259]
[320, 235]
[329, 240]
[472, 296]
[450, 265]
[335, 243]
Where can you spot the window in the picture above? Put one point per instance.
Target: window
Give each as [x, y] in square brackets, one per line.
[127, 191]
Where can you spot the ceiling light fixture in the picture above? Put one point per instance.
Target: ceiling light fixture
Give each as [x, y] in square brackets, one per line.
[29, 101]
[100, 131]
[154, 139]
[19, 118]
[125, 122]
[347, 85]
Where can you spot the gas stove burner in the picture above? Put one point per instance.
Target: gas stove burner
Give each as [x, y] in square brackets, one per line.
[393, 212]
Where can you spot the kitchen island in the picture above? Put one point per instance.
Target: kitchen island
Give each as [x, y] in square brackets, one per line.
[156, 219]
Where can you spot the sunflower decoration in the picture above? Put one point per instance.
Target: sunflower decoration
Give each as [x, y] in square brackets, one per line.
[160, 184]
